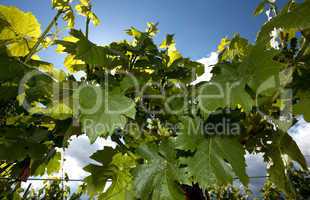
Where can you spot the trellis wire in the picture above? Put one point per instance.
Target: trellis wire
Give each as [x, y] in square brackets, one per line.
[62, 179]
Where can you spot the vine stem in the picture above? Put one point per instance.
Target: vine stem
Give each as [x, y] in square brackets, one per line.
[86, 35]
[303, 47]
[42, 37]
[26, 192]
[87, 27]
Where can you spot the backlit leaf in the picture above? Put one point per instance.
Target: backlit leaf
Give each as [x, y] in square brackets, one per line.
[21, 30]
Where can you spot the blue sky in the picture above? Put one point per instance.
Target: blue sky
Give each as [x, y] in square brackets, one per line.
[198, 25]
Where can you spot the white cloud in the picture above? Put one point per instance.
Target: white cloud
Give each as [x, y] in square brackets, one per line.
[78, 153]
[212, 59]
[301, 134]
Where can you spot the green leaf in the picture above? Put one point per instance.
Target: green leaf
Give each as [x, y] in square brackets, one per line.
[38, 89]
[71, 62]
[226, 89]
[259, 66]
[303, 105]
[297, 18]
[223, 44]
[235, 50]
[74, 65]
[167, 42]
[134, 32]
[260, 8]
[66, 40]
[20, 48]
[103, 111]
[84, 9]
[50, 166]
[290, 148]
[156, 178]
[212, 97]
[88, 52]
[152, 29]
[121, 187]
[277, 172]
[68, 13]
[190, 134]
[114, 167]
[282, 145]
[21, 30]
[99, 173]
[54, 164]
[173, 54]
[57, 111]
[221, 158]
[22, 143]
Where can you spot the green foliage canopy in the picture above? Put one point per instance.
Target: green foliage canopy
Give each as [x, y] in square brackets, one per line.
[162, 141]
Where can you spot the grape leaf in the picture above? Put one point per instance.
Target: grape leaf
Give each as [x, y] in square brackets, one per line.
[88, 52]
[11, 70]
[226, 89]
[48, 165]
[222, 157]
[114, 167]
[152, 29]
[68, 13]
[167, 42]
[189, 156]
[277, 171]
[297, 18]
[260, 8]
[56, 110]
[84, 9]
[173, 54]
[22, 143]
[259, 66]
[8, 92]
[156, 178]
[109, 111]
[190, 134]
[223, 44]
[282, 145]
[71, 62]
[235, 50]
[73, 65]
[290, 148]
[121, 179]
[21, 30]
[134, 32]
[302, 107]
[99, 173]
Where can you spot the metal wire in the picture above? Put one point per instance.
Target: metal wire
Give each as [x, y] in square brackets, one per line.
[42, 179]
[82, 180]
